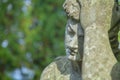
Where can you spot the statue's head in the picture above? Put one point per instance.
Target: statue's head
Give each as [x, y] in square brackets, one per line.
[73, 43]
[74, 40]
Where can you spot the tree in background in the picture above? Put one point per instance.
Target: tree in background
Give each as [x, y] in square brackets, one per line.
[31, 35]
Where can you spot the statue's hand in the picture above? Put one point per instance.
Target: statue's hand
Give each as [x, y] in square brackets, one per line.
[72, 9]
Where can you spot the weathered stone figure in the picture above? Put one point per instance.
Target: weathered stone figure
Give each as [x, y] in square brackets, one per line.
[74, 33]
[62, 68]
[89, 53]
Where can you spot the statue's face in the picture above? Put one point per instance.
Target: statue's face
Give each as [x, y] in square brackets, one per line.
[72, 39]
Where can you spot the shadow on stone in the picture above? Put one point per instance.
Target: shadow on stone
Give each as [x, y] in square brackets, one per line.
[115, 73]
[65, 67]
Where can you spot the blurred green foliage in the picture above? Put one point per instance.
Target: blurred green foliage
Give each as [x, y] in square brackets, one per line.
[31, 34]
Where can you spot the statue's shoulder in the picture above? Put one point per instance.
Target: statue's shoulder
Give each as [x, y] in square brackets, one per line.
[59, 69]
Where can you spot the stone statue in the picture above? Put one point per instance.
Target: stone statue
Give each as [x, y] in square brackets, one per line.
[69, 67]
[74, 34]
[89, 39]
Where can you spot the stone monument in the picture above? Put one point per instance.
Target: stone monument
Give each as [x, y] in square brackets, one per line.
[89, 39]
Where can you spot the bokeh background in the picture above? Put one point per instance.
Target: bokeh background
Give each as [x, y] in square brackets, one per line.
[31, 36]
